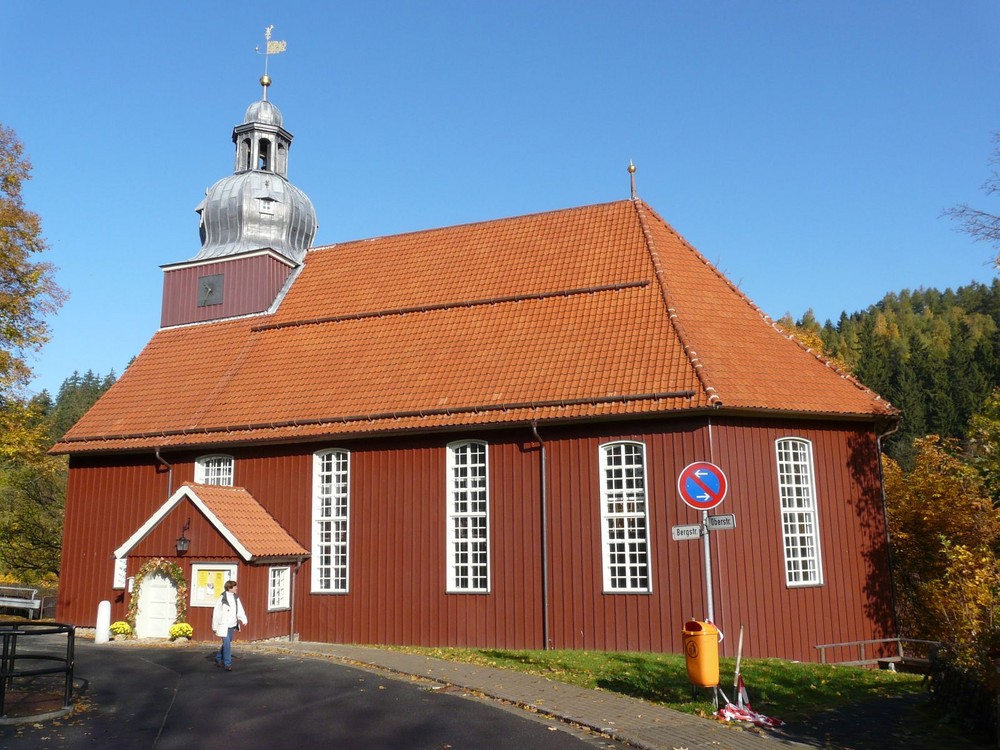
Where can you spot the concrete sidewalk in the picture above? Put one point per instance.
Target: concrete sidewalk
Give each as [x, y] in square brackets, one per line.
[625, 719]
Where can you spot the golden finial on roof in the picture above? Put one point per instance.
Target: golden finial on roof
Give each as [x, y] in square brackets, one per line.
[631, 172]
[270, 48]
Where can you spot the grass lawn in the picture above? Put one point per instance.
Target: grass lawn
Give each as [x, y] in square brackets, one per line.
[786, 690]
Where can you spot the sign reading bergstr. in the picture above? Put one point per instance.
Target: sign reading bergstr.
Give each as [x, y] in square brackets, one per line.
[682, 533]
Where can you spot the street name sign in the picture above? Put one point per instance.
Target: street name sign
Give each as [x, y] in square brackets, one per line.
[690, 531]
[725, 521]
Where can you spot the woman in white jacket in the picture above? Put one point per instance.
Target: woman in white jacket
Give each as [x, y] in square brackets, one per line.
[226, 619]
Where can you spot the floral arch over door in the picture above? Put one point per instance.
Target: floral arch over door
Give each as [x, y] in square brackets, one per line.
[166, 568]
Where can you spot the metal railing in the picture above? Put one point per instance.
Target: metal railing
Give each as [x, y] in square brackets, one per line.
[863, 659]
[17, 663]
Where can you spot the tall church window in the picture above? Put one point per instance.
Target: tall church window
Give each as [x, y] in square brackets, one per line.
[624, 518]
[331, 513]
[468, 551]
[214, 470]
[799, 523]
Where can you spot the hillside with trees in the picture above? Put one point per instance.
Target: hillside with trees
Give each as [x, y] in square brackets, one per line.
[935, 355]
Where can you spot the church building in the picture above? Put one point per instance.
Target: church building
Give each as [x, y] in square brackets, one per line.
[478, 435]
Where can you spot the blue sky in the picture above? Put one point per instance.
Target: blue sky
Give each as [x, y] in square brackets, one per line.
[806, 148]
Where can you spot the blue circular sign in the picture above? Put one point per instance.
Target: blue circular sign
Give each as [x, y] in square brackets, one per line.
[702, 485]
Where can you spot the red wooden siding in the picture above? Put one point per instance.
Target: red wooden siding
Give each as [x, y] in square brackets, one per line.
[106, 501]
[854, 601]
[397, 585]
[251, 284]
[134, 489]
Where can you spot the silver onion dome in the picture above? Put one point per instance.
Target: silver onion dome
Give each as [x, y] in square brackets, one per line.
[257, 207]
[254, 210]
[263, 112]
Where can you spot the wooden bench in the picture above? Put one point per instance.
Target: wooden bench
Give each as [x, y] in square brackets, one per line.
[24, 598]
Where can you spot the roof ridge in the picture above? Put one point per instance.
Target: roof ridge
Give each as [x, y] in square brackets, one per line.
[826, 361]
[465, 225]
[696, 364]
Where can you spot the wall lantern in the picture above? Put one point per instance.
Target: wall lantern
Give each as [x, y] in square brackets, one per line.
[182, 541]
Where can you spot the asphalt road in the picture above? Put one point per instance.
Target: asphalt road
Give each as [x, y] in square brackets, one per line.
[175, 699]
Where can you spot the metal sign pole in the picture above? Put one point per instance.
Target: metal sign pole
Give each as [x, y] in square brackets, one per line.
[708, 566]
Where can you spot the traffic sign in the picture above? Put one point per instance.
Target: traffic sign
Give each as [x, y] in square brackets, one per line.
[690, 531]
[702, 485]
[721, 522]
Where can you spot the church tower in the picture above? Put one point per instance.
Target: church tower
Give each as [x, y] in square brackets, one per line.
[255, 228]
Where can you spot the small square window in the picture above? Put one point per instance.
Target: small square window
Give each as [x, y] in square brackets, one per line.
[278, 588]
[214, 470]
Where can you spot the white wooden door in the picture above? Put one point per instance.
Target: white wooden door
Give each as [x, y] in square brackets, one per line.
[157, 607]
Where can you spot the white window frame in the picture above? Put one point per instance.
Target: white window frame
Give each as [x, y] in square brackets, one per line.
[625, 518]
[217, 469]
[121, 573]
[279, 579]
[799, 517]
[330, 563]
[468, 517]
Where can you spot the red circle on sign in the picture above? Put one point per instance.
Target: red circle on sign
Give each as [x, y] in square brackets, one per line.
[702, 485]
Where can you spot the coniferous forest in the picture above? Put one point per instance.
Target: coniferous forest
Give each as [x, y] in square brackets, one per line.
[934, 355]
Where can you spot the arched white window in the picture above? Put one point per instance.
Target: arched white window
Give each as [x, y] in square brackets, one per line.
[468, 535]
[214, 470]
[624, 518]
[331, 515]
[799, 522]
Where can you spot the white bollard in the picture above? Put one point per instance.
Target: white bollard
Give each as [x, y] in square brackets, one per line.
[102, 631]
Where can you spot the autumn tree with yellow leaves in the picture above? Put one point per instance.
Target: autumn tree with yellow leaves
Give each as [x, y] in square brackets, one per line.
[31, 491]
[945, 535]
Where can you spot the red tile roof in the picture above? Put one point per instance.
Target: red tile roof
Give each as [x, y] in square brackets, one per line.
[582, 313]
[247, 521]
[237, 516]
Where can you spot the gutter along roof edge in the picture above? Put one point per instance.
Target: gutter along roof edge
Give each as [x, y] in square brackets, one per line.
[235, 437]
[375, 417]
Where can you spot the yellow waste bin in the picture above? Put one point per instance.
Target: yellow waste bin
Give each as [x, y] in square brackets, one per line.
[701, 647]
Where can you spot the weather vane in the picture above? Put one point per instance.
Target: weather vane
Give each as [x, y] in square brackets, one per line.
[270, 48]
